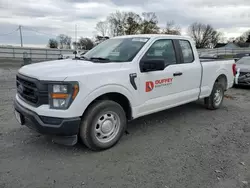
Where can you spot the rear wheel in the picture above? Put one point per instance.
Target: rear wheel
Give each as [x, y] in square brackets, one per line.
[215, 100]
[103, 125]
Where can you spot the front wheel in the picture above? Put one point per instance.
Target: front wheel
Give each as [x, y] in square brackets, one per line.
[215, 100]
[103, 125]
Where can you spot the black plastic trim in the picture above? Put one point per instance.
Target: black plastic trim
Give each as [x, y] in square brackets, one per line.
[40, 90]
[53, 125]
[178, 53]
[132, 77]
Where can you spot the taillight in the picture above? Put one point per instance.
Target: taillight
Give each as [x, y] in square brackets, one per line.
[234, 69]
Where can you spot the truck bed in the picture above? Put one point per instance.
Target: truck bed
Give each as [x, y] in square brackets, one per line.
[211, 69]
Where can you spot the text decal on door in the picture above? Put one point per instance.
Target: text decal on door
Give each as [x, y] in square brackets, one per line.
[150, 85]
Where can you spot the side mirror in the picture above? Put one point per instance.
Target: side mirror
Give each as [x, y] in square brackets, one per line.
[152, 65]
[75, 52]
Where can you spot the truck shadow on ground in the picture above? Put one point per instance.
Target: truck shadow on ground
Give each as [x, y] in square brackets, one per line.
[242, 87]
[163, 117]
[144, 124]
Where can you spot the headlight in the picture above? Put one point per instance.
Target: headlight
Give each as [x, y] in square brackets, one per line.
[62, 95]
[60, 89]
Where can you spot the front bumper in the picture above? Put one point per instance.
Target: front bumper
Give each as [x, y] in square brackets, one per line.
[48, 125]
[243, 79]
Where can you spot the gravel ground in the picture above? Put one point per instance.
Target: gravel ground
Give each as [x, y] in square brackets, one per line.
[184, 147]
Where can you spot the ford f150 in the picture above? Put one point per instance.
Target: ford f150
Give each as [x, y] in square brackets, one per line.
[93, 96]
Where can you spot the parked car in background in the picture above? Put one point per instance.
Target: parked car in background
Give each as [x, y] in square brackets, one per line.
[240, 55]
[243, 71]
[205, 55]
[72, 55]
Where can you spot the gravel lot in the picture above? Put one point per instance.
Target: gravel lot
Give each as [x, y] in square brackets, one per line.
[184, 147]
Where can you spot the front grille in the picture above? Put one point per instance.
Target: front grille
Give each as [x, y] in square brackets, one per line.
[31, 90]
[243, 73]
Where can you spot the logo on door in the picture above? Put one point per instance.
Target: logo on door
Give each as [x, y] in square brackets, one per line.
[158, 83]
[149, 86]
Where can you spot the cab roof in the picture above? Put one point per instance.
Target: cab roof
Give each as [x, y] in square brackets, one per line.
[154, 36]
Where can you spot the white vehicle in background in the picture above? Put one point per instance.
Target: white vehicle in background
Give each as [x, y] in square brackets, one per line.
[205, 55]
[72, 55]
[123, 78]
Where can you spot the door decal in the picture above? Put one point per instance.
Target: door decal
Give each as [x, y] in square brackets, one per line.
[158, 83]
[149, 86]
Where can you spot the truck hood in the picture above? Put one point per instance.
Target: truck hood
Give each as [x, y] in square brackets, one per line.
[243, 68]
[59, 70]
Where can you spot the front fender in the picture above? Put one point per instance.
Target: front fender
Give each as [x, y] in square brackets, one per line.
[111, 88]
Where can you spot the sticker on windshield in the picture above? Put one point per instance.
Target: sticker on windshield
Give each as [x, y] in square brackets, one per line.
[140, 39]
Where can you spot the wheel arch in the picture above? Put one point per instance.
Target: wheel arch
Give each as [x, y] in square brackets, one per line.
[115, 93]
[222, 79]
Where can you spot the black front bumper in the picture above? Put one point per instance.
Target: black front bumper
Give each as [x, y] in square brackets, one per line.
[48, 125]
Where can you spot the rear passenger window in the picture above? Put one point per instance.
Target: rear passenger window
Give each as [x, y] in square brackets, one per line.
[187, 52]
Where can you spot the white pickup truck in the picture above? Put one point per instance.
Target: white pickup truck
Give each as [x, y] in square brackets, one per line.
[92, 97]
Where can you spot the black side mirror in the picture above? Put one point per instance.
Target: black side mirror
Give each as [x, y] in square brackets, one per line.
[75, 52]
[152, 65]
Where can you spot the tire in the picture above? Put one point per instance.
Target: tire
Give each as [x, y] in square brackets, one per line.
[210, 102]
[100, 119]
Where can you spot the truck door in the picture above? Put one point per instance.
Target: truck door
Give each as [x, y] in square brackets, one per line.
[172, 86]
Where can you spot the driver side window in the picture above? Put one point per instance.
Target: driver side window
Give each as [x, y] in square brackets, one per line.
[162, 49]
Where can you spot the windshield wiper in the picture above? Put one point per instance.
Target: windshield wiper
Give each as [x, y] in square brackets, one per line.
[100, 58]
[82, 58]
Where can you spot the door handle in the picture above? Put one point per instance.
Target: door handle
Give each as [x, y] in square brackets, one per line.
[177, 74]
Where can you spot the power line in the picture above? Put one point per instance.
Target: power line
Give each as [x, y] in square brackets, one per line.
[31, 29]
[5, 34]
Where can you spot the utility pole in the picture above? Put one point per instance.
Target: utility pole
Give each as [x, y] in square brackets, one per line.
[21, 36]
[75, 37]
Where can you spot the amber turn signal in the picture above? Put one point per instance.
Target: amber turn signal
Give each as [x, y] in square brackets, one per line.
[75, 92]
[59, 96]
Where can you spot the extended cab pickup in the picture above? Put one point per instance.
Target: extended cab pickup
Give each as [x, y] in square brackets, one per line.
[93, 96]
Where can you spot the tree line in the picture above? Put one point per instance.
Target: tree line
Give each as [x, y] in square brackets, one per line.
[129, 23]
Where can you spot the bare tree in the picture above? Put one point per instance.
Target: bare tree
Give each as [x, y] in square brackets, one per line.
[248, 38]
[117, 22]
[204, 35]
[85, 43]
[172, 29]
[149, 23]
[245, 37]
[132, 23]
[53, 43]
[76, 45]
[64, 41]
[231, 39]
[102, 27]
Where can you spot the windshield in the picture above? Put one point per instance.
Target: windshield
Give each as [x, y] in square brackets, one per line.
[244, 61]
[117, 49]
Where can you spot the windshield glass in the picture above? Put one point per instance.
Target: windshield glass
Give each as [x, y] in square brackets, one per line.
[117, 49]
[244, 61]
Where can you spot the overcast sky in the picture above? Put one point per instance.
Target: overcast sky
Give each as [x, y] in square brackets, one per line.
[52, 17]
